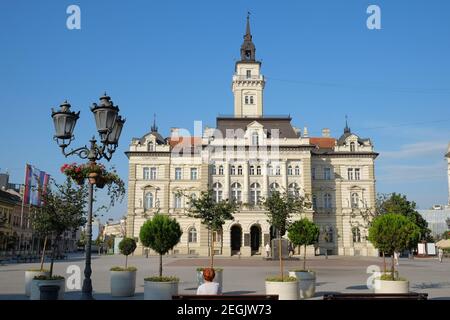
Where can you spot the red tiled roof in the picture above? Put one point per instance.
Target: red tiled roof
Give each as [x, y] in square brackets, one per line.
[185, 141]
[323, 143]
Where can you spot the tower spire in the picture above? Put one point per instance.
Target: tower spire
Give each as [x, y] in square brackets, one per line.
[154, 128]
[248, 49]
[347, 128]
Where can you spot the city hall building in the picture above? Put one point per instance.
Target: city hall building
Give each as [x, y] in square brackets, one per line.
[244, 158]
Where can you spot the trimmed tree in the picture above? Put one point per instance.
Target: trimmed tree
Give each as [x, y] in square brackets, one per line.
[280, 208]
[127, 247]
[62, 210]
[211, 213]
[391, 233]
[160, 234]
[303, 233]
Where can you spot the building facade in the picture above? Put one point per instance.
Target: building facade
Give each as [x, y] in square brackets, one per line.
[243, 158]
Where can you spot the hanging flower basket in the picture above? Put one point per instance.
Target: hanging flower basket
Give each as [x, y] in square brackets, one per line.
[93, 177]
[100, 182]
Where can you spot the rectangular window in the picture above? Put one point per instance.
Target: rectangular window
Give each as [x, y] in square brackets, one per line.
[193, 173]
[249, 74]
[357, 174]
[252, 170]
[327, 173]
[350, 174]
[177, 203]
[251, 99]
[177, 173]
[246, 99]
[153, 173]
[146, 173]
[313, 173]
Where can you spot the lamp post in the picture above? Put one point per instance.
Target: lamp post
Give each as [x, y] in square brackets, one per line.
[109, 126]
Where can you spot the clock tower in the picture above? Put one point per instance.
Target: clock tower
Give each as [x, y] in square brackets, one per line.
[248, 82]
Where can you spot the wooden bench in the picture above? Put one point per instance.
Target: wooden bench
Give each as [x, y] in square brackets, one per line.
[376, 296]
[226, 297]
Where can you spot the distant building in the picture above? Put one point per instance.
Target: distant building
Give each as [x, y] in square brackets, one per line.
[114, 228]
[438, 217]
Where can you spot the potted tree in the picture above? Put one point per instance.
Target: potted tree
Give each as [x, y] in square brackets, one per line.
[304, 233]
[212, 214]
[62, 210]
[123, 280]
[32, 273]
[392, 233]
[161, 233]
[280, 208]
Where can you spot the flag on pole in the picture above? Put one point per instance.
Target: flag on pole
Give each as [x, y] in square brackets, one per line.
[35, 182]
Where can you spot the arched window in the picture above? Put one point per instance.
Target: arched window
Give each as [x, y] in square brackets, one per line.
[290, 171]
[177, 201]
[214, 170]
[314, 202]
[258, 170]
[297, 170]
[148, 203]
[255, 138]
[239, 171]
[191, 198]
[252, 170]
[274, 187]
[356, 235]
[270, 170]
[355, 200]
[217, 191]
[329, 234]
[255, 193]
[277, 170]
[151, 146]
[327, 201]
[236, 192]
[221, 170]
[192, 235]
[293, 190]
[233, 170]
[352, 147]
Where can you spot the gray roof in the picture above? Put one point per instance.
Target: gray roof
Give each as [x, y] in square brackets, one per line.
[159, 137]
[347, 134]
[10, 198]
[283, 124]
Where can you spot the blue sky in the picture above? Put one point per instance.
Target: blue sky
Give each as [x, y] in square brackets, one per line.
[176, 59]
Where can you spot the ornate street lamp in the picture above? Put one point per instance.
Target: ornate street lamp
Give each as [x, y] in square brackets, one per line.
[109, 126]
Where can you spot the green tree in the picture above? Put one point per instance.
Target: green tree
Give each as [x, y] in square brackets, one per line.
[280, 208]
[62, 210]
[399, 204]
[160, 234]
[127, 247]
[391, 233]
[303, 233]
[211, 213]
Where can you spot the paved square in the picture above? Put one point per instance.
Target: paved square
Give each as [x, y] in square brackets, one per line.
[241, 276]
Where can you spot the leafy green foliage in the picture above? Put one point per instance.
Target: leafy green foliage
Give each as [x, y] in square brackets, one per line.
[131, 269]
[127, 246]
[399, 204]
[160, 234]
[280, 279]
[393, 233]
[162, 279]
[211, 213]
[280, 207]
[303, 233]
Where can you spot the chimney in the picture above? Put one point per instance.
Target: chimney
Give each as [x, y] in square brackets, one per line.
[326, 133]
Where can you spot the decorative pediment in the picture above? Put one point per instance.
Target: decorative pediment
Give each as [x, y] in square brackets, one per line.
[255, 125]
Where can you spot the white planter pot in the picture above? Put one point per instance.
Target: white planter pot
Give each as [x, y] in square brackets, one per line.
[160, 290]
[218, 279]
[35, 294]
[284, 290]
[306, 283]
[123, 283]
[386, 286]
[29, 276]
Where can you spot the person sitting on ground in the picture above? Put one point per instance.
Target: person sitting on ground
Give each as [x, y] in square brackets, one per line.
[208, 287]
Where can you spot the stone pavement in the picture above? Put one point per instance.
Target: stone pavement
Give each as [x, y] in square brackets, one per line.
[241, 276]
